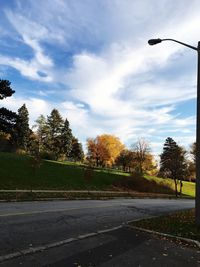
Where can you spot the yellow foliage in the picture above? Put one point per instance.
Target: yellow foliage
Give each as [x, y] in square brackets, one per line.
[104, 149]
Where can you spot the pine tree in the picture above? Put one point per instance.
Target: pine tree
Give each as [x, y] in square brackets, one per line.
[7, 117]
[22, 130]
[5, 89]
[76, 153]
[42, 132]
[173, 163]
[66, 139]
[55, 125]
[7, 120]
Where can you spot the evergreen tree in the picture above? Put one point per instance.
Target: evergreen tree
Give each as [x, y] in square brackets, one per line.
[7, 120]
[22, 130]
[55, 125]
[7, 117]
[42, 132]
[76, 153]
[173, 163]
[66, 139]
[5, 89]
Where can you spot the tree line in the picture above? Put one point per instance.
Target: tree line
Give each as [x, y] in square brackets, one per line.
[107, 150]
[52, 138]
[175, 162]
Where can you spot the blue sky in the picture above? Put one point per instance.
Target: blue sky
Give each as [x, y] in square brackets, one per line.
[90, 60]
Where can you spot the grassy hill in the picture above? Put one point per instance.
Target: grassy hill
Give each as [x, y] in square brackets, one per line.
[16, 172]
[188, 187]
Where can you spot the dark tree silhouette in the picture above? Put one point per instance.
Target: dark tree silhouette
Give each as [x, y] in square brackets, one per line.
[7, 117]
[22, 131]
[76, 153]
[5, 89]
[55, 125]
[66, 139]
[173, 163]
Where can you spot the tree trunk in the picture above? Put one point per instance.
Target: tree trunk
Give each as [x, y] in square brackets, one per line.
[124, 167]
[181, 186]
[176, 189]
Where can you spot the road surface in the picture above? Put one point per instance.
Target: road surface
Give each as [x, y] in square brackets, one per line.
[28, 225]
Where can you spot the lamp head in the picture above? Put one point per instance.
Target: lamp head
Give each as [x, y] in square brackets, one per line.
[154, 41]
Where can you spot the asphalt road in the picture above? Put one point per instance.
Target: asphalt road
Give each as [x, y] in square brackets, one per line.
[32, 224]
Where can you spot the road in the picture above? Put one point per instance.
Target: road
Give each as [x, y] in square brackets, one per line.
[28, 225]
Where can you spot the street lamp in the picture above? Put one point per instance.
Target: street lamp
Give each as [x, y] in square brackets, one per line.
[197, 198]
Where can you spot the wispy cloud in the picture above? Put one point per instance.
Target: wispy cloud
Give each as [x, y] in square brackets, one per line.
[111, 80]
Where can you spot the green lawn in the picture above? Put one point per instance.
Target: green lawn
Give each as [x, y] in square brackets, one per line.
[16, 173]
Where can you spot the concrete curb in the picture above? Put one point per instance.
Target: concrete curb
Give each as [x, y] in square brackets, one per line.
[186, 240]
[33, 250]
[42, 195]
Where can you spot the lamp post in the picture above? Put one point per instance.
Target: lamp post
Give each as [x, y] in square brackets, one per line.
[197, 198]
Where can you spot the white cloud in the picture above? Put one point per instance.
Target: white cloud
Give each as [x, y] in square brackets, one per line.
[37, 68]
[28, 69]
[116, 83]
[35, 106]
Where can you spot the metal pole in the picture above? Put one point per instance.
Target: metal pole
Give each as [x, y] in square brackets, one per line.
[197, 198]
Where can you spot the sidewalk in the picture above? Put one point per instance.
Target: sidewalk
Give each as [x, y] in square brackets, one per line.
[39, 194]
[119, 248]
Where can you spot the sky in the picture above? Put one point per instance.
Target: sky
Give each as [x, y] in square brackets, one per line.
[90, 60]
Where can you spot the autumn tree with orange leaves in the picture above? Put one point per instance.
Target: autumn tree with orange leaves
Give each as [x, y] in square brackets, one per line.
[104, 149]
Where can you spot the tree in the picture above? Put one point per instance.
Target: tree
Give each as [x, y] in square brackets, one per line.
[55, 125]
[76, 152]
[96, 151]
[8, 120]
[67, 140]
[150, 166]
[22, 131]
[104, 149]
[7, 117]
[42, 132]
[5, 89]
[191, 163]
[142, 150]
[191, 171]
[125, 159]
[173, 163]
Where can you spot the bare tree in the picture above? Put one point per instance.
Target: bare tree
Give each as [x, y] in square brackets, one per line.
[142, 150]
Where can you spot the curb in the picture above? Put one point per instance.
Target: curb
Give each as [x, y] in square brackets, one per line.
[186, 240]
[41, 248]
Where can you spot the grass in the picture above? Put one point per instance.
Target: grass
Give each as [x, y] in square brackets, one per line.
[16, 173]
[139, 183]
[188, 187]
[181, 224]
